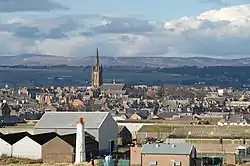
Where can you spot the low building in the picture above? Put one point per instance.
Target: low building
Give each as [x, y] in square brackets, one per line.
[91, 145]
[124, 136]
[57, 150]
[112, 90]
[101, 125]
[168, 154]
[31, 146]
[234, 120]
[7, 140]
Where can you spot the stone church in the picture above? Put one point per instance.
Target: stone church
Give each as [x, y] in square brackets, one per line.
[96, 76]
[105, 89]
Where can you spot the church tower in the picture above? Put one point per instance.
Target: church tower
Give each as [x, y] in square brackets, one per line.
[96, 76]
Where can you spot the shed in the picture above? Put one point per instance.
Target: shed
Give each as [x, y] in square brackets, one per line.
[57, 150]
[34, 144]
[101, 125]
[124, 136]
[7, 140]
[91, 145]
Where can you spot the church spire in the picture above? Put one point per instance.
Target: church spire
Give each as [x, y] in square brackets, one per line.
[97, 56]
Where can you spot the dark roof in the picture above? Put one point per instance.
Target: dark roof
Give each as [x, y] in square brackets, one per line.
[13, 119]
[14, 137]
[143, 113]
[130, 111]
[71, 138]
[5, 106]
[43, 138]
[167, 114]
[112, 87]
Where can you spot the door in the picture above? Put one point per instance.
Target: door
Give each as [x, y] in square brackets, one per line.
[112, 146]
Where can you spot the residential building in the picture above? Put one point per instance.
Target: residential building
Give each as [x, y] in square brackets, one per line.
[179, 154]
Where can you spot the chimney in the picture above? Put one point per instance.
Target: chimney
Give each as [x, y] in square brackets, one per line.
[80, 155]
[173, 145]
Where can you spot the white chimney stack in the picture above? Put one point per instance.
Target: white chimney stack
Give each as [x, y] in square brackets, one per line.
[80, 156]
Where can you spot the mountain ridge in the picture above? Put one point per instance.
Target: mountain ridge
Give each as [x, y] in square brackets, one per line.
[30, 59]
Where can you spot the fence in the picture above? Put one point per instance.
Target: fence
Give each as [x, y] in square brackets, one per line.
[120, 162]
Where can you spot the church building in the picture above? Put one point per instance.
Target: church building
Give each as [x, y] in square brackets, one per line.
[96, 76]
[106, 89]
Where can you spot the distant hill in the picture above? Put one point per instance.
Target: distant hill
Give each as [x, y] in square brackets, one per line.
[41, 60]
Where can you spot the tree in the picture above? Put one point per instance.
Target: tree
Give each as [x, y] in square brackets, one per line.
[161, 92]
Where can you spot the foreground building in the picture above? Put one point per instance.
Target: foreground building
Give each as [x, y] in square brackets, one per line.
[48, 147]
[6, 142]
[164, 155]
[100, 125]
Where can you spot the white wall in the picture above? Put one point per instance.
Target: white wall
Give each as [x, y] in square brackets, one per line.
[108, 132]
[5, 148]
[27, 148]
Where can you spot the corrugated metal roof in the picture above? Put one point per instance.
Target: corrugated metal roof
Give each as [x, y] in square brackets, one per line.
[162, 148]
[69, 119]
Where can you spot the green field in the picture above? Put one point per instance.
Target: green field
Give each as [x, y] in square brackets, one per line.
[156, 128]
[215, 141]
[199, 131]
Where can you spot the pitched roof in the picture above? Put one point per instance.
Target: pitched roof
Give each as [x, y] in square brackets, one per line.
[13, 119]
[69, 119]
[71, 139]
[112, 87]
[43, 138]
[162, 148]
[14, 137]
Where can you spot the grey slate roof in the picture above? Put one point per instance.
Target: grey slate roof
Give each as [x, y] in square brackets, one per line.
[177, 149]
[67, 120]
[112, 87]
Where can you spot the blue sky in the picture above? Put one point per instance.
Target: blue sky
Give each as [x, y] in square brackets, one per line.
[210, 28]
[148, 9]
[160, 10]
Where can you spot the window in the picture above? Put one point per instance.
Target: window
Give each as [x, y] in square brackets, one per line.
[153, 163]
[176, 163]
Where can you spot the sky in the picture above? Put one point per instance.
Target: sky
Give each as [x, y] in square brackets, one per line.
[201, 28]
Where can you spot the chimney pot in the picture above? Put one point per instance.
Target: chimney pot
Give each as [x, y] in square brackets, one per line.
[80, 120]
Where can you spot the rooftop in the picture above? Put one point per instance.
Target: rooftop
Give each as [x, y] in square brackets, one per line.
[112, 87]
[162, 148]
[69, 119]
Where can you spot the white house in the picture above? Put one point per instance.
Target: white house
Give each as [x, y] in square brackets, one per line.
[5, 148]
[101, 125]
[7, 140]
[234, 120]
[31, 146]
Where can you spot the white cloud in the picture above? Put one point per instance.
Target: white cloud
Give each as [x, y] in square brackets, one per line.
[221, 33]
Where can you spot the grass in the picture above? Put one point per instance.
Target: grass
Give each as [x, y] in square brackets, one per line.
[214, 141]
[212, 121]
[5, 160]
[198, 131]
[156, 128]
[13, 161]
